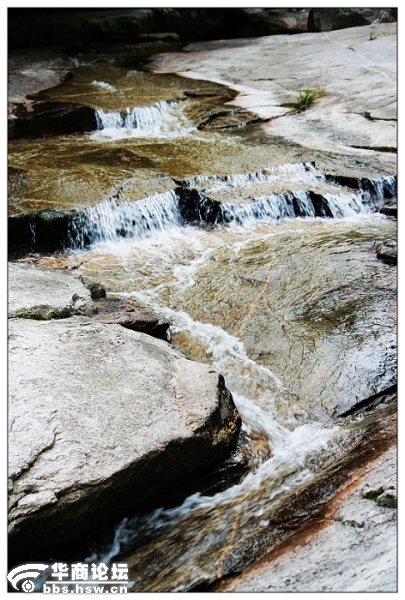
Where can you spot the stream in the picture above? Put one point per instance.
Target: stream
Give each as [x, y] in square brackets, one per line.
[271, 276]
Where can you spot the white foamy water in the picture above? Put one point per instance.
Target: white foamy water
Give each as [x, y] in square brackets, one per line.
[111, 219]
[299, 451]
[189, 542]
[104, 85]
[296, 204]
[163, 119]
[346, 205]
[297, 458]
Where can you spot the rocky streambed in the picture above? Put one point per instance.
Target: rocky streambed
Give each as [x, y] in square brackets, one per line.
[258, 242]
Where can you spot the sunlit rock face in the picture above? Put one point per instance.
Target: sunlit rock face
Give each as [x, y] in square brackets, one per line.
[111, 433]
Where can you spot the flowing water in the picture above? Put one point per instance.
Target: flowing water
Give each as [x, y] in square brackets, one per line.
[274, 281]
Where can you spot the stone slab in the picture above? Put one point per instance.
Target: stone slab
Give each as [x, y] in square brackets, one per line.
[44, 292]
[356, 68]
[101, 420]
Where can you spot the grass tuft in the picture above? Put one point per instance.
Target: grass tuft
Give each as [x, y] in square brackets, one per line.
[305, 99]
[373, 494]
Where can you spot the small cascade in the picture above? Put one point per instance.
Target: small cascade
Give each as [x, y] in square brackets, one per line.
[141, 117]
[195, 206]
[161, 119]
[112, 219]
[239, 199]
[264, 195]
[344, 205]
[296, 204]
[266, 175]
[375, 191]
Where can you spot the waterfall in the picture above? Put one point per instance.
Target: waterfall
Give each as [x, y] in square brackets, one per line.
[375, 191]
[111, 219]
[268, 174]
[296, 204]
[114, 218]
[344, 205]
[141, 117]
[162, 119]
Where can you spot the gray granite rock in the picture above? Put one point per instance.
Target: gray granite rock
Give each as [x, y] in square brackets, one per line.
[355, 69]
[102, 420]
[326, 19]
[46, 293]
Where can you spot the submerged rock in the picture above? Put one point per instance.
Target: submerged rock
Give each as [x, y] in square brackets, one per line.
[102, 421]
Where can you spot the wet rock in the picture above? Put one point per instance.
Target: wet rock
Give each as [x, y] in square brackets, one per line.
[228, 119]
[327, 19]
[255, 22]
[390, 209]
[96, 290]
[387, 251]
[47, 119]
[324, 555]
[42, 231]
[118, 312]
[361, 407]
[388, 498]
[195, 207]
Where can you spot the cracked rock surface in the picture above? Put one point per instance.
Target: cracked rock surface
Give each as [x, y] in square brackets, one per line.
[101, 420]
[354, 68]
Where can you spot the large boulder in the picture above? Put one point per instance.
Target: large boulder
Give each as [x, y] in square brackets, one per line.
[327, 19]
[65, 27]
[38, 27]
[103, 421]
